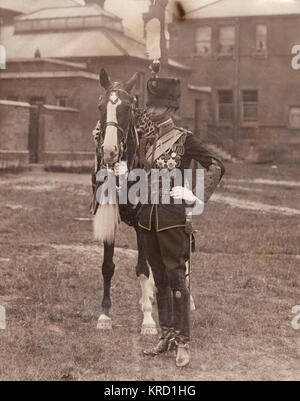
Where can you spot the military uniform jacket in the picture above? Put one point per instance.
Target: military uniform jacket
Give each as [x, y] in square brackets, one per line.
[179, 156]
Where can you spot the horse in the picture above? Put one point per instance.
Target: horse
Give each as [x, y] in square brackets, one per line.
[119, 141]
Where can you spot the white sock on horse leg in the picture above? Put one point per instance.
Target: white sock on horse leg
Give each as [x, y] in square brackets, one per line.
[147, 286]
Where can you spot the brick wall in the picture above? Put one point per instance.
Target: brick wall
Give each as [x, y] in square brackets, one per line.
[271, 75]
[14, 128]
[65, 145]
[259, 145]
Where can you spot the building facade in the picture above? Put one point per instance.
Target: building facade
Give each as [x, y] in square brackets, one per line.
[244, 53]
[53, 59]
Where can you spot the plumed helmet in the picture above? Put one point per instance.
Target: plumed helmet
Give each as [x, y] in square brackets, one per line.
[163, 92]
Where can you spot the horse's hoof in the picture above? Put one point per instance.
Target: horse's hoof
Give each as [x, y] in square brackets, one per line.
[148, 330]
[104, 323]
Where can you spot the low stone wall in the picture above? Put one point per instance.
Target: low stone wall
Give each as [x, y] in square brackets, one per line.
[53, 134]
[69, 161]
[14, 128]
[260, 145]
[65, 146]
[13, 160]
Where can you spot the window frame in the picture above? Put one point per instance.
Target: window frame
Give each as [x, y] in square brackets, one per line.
[265, 52]
[290, 126]
[197, 53]
[224, 53]
[59, 98]
[37, 100]
[224, 122]
[243, 103]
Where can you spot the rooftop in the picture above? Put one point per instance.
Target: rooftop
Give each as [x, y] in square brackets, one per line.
[238, 8]
[68, 18]
[64, 63]
[73, 44]
[88, 10]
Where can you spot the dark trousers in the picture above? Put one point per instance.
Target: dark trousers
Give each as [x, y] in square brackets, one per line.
[167, 252]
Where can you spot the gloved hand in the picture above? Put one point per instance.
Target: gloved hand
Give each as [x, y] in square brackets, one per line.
[121, 169]
[184, 194]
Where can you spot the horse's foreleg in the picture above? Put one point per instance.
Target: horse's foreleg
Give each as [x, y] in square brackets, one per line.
[148, 288]
[108, 269]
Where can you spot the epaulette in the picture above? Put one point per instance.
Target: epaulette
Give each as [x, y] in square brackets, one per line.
[186, 131]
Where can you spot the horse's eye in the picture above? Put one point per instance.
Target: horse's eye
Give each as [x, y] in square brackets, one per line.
[126, 106]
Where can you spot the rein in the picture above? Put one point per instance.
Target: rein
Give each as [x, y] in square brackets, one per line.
[124, 134]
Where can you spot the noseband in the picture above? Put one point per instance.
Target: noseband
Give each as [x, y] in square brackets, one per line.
[124, 132]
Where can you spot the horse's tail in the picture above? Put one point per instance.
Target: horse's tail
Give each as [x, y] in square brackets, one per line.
[106, 223]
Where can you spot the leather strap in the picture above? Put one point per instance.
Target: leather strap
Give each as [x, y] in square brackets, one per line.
[163, 144]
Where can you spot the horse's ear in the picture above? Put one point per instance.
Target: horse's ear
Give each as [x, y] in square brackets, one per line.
[105, 81]
[131, 82]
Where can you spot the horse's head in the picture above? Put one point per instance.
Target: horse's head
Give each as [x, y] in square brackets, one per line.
[116, 110]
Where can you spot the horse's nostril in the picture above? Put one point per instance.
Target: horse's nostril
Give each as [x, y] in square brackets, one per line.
[112, 154]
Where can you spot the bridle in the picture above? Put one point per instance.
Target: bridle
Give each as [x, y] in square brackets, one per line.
[124, 131]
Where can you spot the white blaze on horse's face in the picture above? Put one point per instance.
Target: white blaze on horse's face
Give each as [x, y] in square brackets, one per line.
[110, 144]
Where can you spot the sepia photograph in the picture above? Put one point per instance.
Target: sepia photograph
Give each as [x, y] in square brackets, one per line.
[149, 193]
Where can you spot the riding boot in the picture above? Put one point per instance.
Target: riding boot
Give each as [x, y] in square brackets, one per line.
[166, 343]
[182, 326]
[165, 308]
[183, 355]
[181, 308]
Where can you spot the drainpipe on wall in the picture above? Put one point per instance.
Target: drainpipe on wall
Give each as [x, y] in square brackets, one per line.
[2, 49]
[236, 123]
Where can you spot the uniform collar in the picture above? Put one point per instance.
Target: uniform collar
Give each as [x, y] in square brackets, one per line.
[165, 127]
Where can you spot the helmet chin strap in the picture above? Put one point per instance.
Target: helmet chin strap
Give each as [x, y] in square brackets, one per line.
[160, 116]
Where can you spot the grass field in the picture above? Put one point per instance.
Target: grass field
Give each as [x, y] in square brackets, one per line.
[245, 284]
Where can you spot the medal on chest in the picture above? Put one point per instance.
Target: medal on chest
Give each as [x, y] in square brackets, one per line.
[172, 158]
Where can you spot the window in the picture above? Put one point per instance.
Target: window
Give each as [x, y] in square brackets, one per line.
[225, 105]
[62, 101]
[203, 40]
[227, 40]
[250, 105]
[92, 21]
[75, 22]
[37, 100]
[40, 25]
[261, 39]
[57, 23]
[294, 117]
[23, 25]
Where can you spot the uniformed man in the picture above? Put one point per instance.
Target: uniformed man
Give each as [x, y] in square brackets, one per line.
[166, 240]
